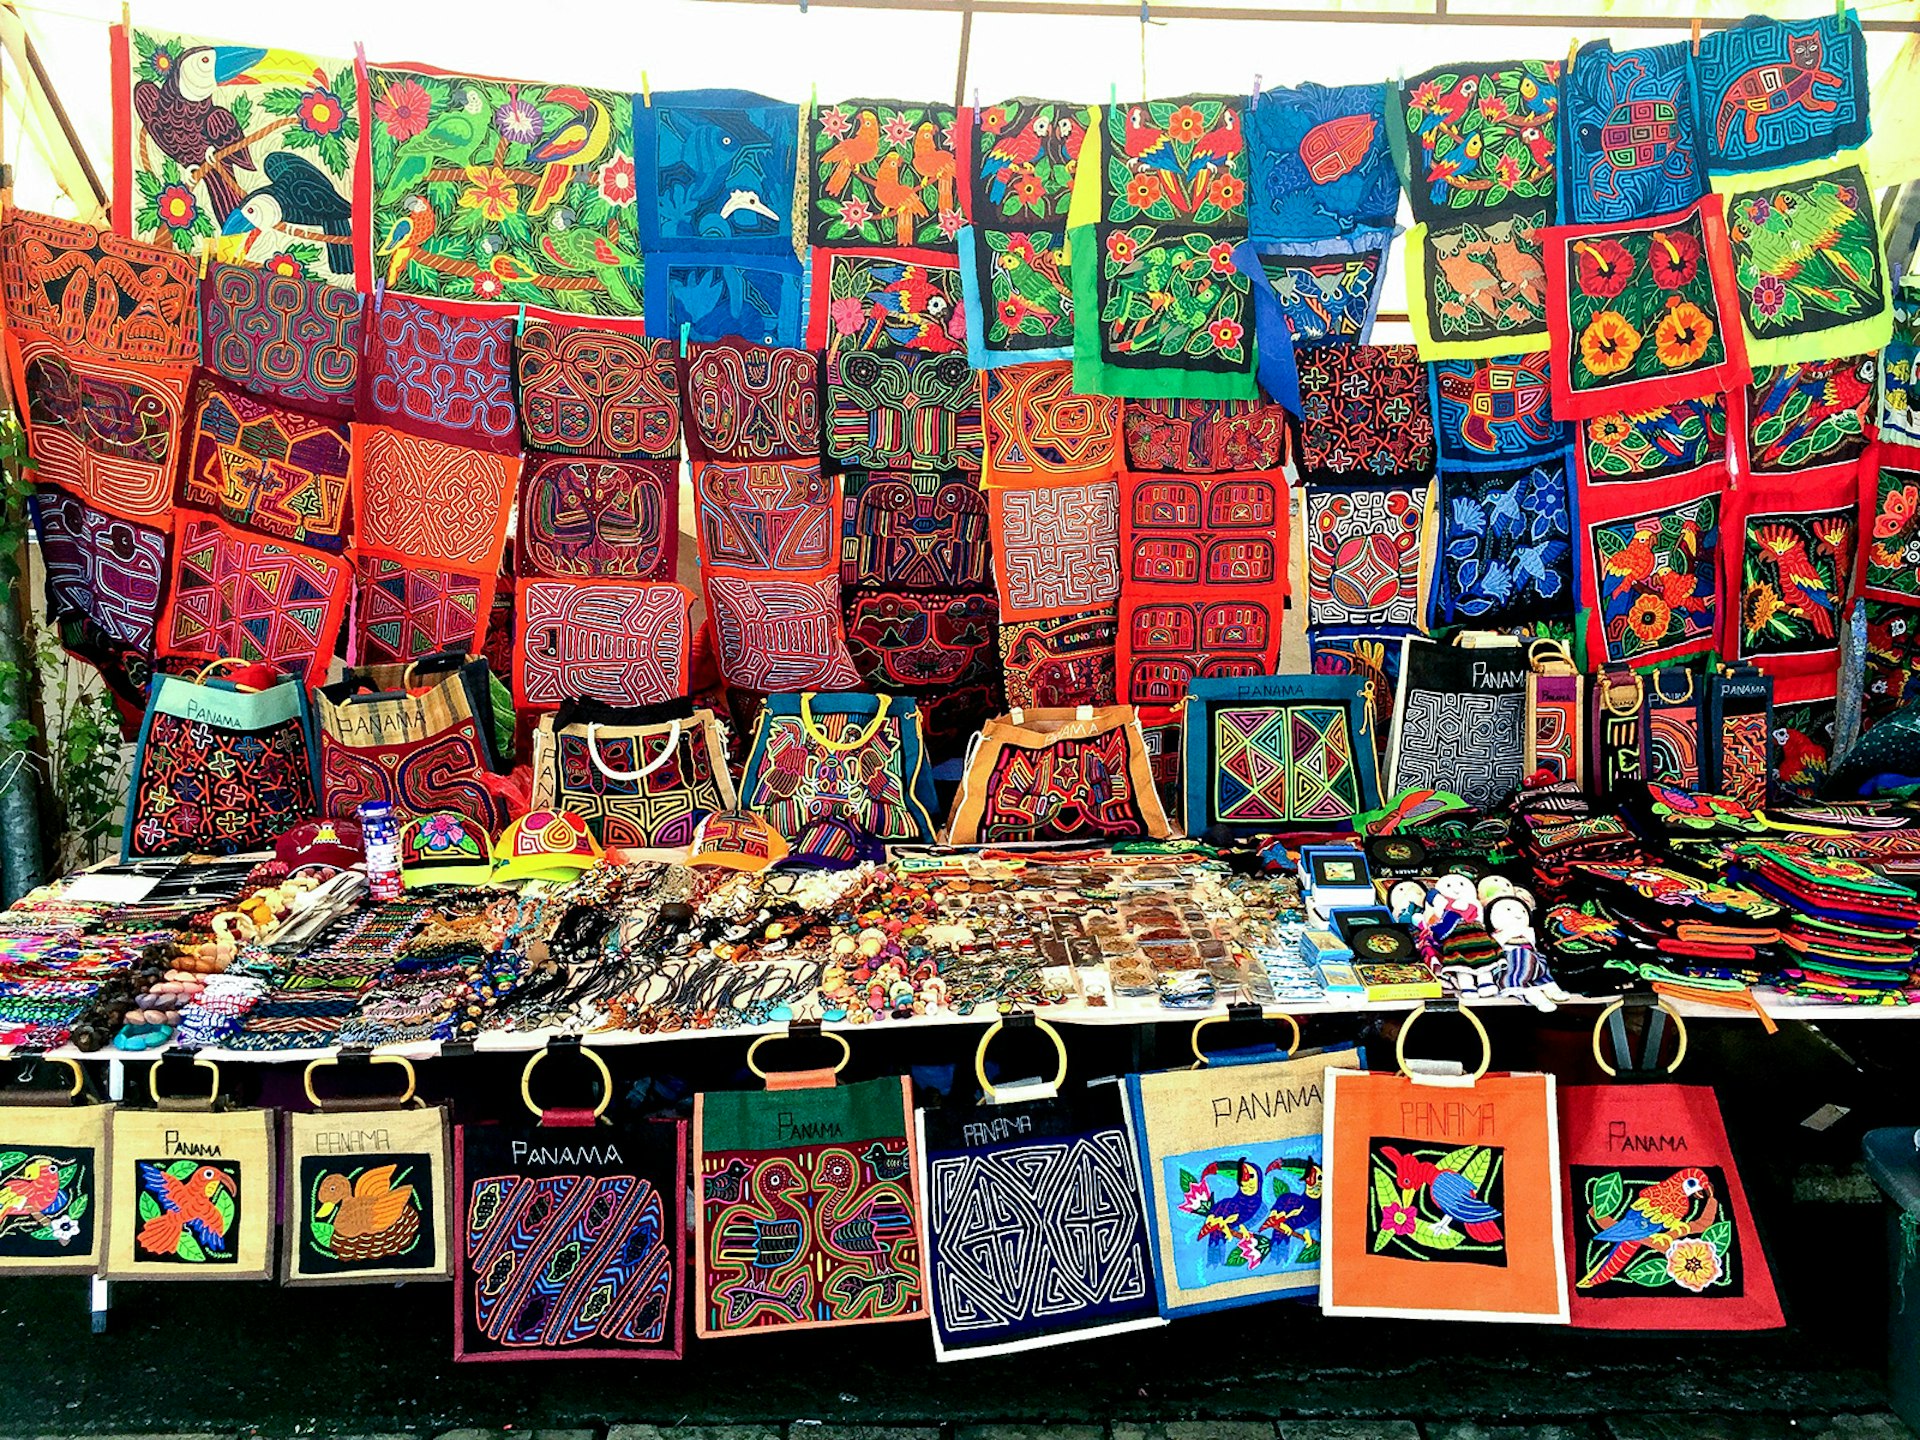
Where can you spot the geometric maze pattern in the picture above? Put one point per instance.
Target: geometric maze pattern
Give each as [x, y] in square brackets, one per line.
[252, 599]
[1048, 1231]
[1281, 764]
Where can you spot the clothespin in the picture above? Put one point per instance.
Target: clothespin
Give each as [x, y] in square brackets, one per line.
[1696, 34]
[976, 97]
[126, 17]
[520, 320]
[686, 330]
[1840, 11]
[813, 95]
[1113, 93]
[206, 248]
[1573, 48]
[803, 7]
[646, 90]
[1256, 84]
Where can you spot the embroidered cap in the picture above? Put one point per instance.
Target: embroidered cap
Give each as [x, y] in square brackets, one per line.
[545, 845]
[444, 849]
[737, 840]
[335, 843]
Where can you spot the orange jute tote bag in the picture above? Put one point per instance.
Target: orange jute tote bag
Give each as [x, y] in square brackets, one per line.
[1443, 1193]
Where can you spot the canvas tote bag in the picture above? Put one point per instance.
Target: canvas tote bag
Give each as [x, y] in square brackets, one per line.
[53, 1155]
[1233, 1167]
[809, 1203]
[1057, 775]
[1443, 1193]
[1033, 1224]
[571, 1237]
[367, 1198]
[192, 1189]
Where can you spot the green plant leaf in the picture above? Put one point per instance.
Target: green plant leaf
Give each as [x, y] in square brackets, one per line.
[1187, 1180]
[148, 1207]
[79, 1207]
[1606, 1195]
[1479, 1167]
[1648, 1270]
[1434, 1237]
[1719, 1235]
[11, 1158]
[189, 1249]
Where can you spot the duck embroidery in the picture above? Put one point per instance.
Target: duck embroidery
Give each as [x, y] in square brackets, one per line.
[372, 1217]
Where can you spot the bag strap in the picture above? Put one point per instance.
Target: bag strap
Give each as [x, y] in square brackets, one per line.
[593, 754]
[812, 729]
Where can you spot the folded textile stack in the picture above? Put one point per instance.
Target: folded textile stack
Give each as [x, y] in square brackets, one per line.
[1553, 845]
[1850, 931]
[1691, 924]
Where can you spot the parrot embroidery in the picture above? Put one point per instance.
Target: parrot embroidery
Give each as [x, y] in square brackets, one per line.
[40, 1198]
[187, 1211]
[1235, 1214]
[1680, 1205]
[1457, 1198]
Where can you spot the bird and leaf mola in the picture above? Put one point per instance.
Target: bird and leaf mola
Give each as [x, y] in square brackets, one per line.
[1632, 1222]
[247, 150]
[188, 1211]
[43, 1200]
[1258, 1208]
[503, 190]
[364, 1215]
[1433, 1204]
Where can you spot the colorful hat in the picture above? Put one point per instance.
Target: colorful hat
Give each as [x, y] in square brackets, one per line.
[737, 840]
[545, 845]
[444, 849]
[337, 843]
[831, 843]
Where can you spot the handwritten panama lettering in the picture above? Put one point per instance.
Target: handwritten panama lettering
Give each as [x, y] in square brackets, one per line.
[991, 1132]
[1260, 1105]
[792, 1129]
[1485, 677]
[1448, 1119]
[351, 1142]
[1620, 1138]
[572, 1155]
[174, 1145]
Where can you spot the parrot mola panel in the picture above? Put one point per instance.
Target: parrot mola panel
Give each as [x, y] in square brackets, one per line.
[191, 1195]
[51, 1160]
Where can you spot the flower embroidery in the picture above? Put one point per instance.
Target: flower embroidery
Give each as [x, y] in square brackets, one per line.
[1682, 335]
[321, 112]
[403, 109]
[1605, 267]
[1609, 343]
[1693, 1264]
[491, 192]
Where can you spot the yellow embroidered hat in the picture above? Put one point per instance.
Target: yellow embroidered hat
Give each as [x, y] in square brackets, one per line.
[545, 845]
[444, 849]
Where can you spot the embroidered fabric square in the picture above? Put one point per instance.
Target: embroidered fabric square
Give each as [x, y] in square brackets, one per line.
[1319, 162]
[1314, 292]
[1661, 440]
[1161, 310]
[1505, 548]
[102, 571]
[618, 641]
[1018, 289]
[887, 301]
[1890, 510]
[282, 128]
[431, 501]
[442, 373]
[1482, 136]
[1628, 148]
[913, 411]
[606, 519]
[1204, 584]
[1649, 567]
[107, 430]
[1477, 284]
[297, 340]
[1276, 752]
[1773, 93]
[1203, 436]
[1808, 262]
[99, 295]
[1059, 662]
[777, 517]
[1899, 376]
[403, 610]
[1789, 563]
[1804, 715]
[882, 172]
[1056, 548]
[275, 471]
[1366, 413]
[1495, 410]
[597, 389]
[501, 190]
[1893, 659]
[713, 172]
[751, 402]
[1022, 157]
[1460, 722]
[1366, 557]
[759, 298]
[1643, 313]
[1794, 416]
[1038, 429]
[779, 635]
[920, 531]
[941, 646]
[234, 596]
